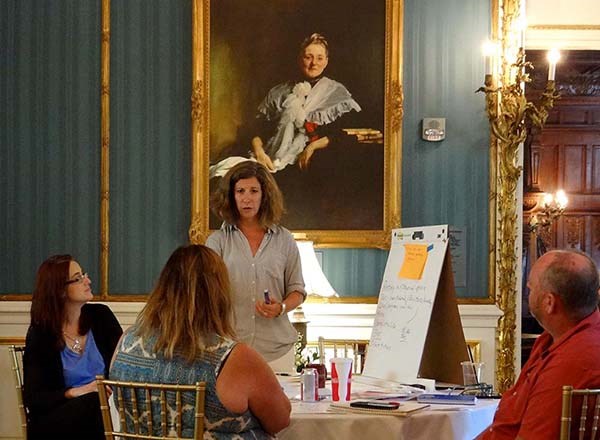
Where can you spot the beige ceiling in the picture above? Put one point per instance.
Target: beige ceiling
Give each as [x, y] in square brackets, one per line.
[565, 24]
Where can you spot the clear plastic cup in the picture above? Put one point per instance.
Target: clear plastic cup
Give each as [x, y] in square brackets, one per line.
[471, 372]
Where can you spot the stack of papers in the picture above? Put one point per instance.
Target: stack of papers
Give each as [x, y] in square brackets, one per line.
[384, 395]
[405, 409]
[402, 392]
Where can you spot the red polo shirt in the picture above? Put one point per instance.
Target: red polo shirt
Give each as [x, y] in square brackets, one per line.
[531, 409]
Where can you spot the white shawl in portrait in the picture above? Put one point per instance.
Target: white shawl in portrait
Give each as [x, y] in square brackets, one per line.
[292, 105]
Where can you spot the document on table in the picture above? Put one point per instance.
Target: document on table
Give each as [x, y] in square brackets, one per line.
[384, 395]
[405, 409]
[300, 407]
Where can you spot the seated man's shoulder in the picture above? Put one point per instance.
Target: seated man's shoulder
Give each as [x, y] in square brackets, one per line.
[585, 343]
[578, 362]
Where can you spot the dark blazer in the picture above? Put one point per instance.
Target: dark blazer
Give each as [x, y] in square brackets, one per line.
[43, 372]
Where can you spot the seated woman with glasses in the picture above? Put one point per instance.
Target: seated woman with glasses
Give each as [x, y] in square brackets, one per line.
[185, 335]
[68, 343]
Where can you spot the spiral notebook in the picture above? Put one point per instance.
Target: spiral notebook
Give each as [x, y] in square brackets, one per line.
[405, 409]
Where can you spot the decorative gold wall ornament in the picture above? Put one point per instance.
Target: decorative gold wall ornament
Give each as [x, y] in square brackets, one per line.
[396, 105]
[105, 148]
[565, 27]
[195, 233]
[508, 110]
[198, 231]
[197, 102]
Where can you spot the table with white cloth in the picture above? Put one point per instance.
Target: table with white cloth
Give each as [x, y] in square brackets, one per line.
[312, 421]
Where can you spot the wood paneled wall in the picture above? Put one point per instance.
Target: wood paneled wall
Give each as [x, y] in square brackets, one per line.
[566, 153]
[569, 158]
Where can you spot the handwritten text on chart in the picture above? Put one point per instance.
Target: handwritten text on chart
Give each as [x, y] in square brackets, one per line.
[396, 297]
[402, 296]
[403, 287]
[376, 337]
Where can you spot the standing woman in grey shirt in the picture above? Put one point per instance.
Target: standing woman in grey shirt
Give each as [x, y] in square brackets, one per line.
[260, 256]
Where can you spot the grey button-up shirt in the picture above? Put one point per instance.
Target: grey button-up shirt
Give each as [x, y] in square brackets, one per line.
[275, 267]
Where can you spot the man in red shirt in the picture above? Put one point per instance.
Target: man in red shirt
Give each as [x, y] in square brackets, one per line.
[563, 297]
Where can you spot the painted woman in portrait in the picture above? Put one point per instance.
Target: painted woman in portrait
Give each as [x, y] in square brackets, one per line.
[298, 117]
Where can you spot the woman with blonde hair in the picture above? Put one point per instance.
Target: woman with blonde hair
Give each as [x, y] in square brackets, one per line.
[185, 335]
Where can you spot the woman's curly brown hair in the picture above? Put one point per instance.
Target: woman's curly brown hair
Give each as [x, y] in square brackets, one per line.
[222, 201]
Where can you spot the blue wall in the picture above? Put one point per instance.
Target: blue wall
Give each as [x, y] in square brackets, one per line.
[447, 182]
[50, 138]
[442, 182]
[150, 138]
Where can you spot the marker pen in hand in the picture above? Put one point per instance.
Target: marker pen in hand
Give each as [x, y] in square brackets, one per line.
[267, 297]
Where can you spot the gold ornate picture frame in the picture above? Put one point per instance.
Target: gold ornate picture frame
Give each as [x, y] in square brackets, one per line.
[210, 57]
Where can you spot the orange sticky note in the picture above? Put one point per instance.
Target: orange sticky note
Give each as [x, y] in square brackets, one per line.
[415, 257]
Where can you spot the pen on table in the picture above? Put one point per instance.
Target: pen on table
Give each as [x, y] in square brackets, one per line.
[413, 387]
[267, 298]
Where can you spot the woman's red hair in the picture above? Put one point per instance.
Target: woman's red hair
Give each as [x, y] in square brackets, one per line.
[49, 296]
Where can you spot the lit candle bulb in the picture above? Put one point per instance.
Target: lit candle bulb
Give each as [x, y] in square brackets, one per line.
[489, 52]
[561, 199]
[548, 199]
[522, 25]
[553, 57]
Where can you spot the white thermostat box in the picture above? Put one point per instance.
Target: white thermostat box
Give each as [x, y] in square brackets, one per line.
[434, 129]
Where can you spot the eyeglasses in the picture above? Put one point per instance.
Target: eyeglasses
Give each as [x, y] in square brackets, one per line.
[479, 390]
[78, 279]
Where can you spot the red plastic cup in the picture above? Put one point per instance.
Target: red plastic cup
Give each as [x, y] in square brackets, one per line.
[341, 378]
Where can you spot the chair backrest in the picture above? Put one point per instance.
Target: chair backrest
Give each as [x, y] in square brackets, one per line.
[356, 349]
[588, 413]
[151, 408]
[17, 352]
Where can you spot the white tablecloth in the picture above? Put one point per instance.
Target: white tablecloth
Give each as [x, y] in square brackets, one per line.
[311, 421]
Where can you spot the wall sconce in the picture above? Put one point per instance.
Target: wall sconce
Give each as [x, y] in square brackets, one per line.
[553, 57]
[506, 105]
[552, 207]
[509, 114]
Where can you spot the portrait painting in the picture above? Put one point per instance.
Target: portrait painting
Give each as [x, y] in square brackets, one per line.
[301, 88]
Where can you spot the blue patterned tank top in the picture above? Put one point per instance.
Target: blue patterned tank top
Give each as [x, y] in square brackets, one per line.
[137, 361]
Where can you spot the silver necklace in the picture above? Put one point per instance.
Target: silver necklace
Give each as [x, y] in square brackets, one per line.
[76, 347]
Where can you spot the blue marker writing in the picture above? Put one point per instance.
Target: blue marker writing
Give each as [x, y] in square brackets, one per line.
[267, 298]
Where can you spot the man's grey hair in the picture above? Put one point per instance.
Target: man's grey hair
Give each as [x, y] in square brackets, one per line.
[575, 284]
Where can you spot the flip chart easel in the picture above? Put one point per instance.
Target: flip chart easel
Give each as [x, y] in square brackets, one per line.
[417, 332]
